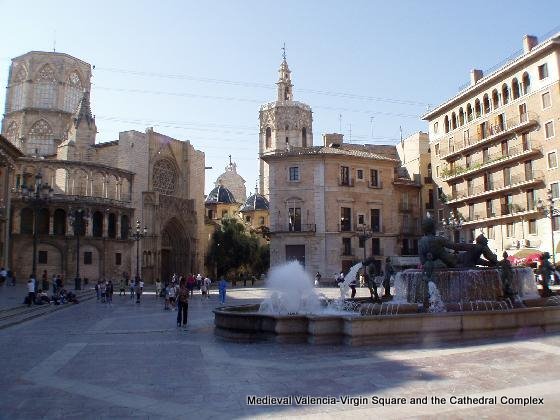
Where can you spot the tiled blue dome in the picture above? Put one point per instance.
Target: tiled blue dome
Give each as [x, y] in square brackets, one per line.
[255, 202]
[220, 194]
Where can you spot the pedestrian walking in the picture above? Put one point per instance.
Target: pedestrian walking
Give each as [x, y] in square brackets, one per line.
[182, 306]
[53, 281]
[158, 288]
[132, 284]
[103, 291]
[191, 281]
[353, 288]
[109, 292]
[138, 289]
[98, 289]
[222, 287]
[122, 287]
[45, 281]
[317, 279]
[30, 290]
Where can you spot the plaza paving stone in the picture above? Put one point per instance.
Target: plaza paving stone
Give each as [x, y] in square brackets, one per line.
[130, 361]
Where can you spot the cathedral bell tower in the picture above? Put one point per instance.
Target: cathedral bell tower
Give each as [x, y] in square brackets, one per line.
[285, 124]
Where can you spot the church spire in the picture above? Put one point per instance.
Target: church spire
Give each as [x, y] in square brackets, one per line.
[83, 111]
[284, 81]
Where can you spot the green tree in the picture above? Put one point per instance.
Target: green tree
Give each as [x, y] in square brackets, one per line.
[234, 251]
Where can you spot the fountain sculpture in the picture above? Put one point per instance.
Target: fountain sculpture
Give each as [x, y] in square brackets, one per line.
[456, 294]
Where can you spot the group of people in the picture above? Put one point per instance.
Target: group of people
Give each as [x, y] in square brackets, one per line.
[7, 277]
[104, 290]
[40, 295]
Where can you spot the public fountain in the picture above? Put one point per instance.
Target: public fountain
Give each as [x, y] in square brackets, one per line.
[449, 298]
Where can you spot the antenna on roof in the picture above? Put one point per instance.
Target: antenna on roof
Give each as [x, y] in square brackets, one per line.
[54, 41]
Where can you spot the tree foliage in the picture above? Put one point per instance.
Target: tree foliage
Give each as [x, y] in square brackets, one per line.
[235, 251]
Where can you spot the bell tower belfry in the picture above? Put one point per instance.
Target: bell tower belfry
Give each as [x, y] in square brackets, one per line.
[284, 124]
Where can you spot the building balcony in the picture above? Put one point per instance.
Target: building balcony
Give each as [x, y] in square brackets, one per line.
[407, 182]
[82, 200]
[493, 133]
[409, 231]
[479, 192]
[514, 213]
[346, 182]
[294, 229]
[514, 154]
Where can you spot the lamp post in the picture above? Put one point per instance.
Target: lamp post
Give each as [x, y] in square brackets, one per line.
[78, 224]
[453, 224]
[139, 234]
[364, 233]
[37, 197]
[549, 211]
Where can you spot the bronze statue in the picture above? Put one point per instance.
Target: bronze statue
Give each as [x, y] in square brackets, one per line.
[442, 258]
[546, 271]
[506, 275]
[389, 271]
[369, 271]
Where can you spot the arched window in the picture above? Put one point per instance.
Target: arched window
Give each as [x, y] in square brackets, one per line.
[505, 94]
[73, 93]
[461, 116]
[43, 222]
[495, 99]
[526, 81]
[453, 120]
[477, 110]
[125, 226]
[165, 177]
[97, 224]
[469, 112]
[15, 93]
[486, 103]
[26, 220]
[303, 137]
[446, 123]
[59, 222]
[12, 133]
[112, 226]
[45, 88]
[515, 89]
[268, 137]
[40, 140]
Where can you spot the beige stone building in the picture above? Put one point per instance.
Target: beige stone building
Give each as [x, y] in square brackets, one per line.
[145, 177]
[322, 197]
[494, 151]
[233, 182]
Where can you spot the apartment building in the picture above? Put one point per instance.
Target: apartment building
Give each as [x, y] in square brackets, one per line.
[494, 152]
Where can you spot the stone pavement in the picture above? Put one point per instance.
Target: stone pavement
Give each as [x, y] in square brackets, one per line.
[126, 360]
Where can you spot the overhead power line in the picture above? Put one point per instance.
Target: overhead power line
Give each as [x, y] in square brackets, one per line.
[263, 86]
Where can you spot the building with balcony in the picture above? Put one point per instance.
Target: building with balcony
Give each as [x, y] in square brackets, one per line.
[494, 150]
[144, 176]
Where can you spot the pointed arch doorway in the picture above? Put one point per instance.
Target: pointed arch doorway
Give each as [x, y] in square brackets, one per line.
[175, 250]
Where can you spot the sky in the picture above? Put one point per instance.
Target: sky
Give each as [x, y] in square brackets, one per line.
[199, 70]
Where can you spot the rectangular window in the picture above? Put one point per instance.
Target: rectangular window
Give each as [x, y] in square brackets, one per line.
[43, 257]
[294, 173]
[552, 160]
[451, 145]
[118, 258]
[346, 246]
[489, 208]
[531, 199]
[556, 223]
[471, 212]
[437, 149]
[375, 246]
[376, 220]
[485, 155]
[374, 178]
[549, 130]
[437, 171]
[523, 113]
[532, 227]
[344, 175]
[546, 100]
[468, 161]
[543, 71]
[470, 187]
[360, 174]
[436, 127]
[525, 142]
[294, 219]
[88, 258]
[528, 168]
[345, 219]
[490, 232]
[361, 219]
[510, 230]
[507, 176]
[466, 137]
[555, 190]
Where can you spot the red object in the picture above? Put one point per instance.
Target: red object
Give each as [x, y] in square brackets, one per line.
[529, 259]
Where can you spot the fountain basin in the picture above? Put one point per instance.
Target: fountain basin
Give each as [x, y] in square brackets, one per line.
[246, 323]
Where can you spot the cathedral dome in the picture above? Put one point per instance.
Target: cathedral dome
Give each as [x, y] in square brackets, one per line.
[255, 202]
[220, 195]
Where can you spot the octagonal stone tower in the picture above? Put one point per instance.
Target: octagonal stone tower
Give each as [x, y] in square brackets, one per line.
[284, 124]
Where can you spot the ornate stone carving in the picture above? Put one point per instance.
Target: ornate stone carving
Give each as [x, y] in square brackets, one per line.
[164, 177]
[12, 132]
[41, 129]
[20, 75]
[74, 80]
[46, 74]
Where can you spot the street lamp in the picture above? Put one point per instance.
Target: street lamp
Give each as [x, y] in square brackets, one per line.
[78, 224]
[37, 197]
[452, 223]
[364, 233]
[139, 234]
[549, 212]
